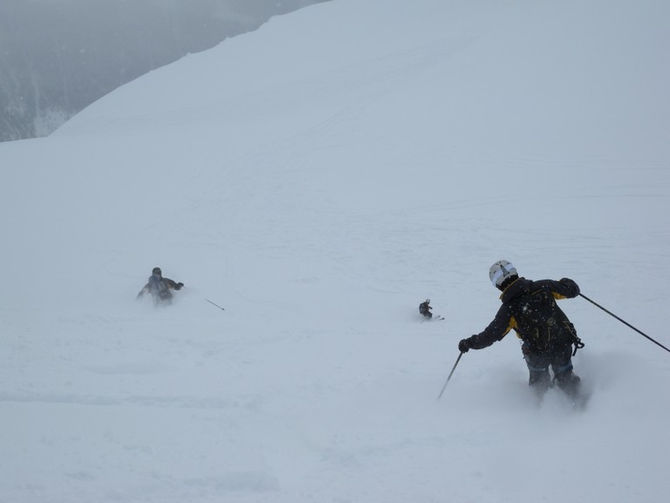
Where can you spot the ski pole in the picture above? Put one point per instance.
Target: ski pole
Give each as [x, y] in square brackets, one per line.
[214, 304]
[450, 374]
[625, 322]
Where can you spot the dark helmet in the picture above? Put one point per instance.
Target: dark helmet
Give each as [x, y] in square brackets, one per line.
[156, 271]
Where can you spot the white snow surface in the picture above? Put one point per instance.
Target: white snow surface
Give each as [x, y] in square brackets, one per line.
[319, 178]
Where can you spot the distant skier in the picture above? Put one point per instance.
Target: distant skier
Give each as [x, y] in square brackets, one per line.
[529, 307]
[424, 309]
[159, 287]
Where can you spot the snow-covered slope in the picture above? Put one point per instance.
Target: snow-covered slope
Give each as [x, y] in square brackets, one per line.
[319, 178]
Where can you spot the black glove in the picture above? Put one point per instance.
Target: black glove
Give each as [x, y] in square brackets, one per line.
[463, 346]
[574, 287]
[179, 285]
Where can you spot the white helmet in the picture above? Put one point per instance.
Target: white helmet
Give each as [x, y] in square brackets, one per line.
[500, 272]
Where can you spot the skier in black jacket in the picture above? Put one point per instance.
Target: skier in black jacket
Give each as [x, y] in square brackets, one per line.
[159, 287]
[424, 309]
[529, 307]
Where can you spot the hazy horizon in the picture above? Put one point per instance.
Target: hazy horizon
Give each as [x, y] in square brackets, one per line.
[58, 56]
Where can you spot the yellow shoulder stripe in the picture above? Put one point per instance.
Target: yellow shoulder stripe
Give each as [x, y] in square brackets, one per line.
[512, 325]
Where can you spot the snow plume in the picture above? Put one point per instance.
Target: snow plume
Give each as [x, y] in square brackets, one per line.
[318, 178]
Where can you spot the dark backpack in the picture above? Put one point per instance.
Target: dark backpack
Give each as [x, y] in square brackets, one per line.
[540, 322]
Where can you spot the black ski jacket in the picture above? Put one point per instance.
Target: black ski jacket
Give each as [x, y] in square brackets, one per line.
[529, 307]
[424, 308]
[160, 287]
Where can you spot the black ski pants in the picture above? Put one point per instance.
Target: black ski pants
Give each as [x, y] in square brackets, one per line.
[559, 358]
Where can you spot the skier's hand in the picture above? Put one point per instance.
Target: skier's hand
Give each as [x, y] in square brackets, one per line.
[574, 287]
[463, 346]
[179, 285]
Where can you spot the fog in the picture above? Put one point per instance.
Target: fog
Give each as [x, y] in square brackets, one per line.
[58, 56]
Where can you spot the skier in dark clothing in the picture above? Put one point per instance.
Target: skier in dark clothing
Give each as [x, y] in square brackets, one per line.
[159, 287]
[424, 309]
[529, 307]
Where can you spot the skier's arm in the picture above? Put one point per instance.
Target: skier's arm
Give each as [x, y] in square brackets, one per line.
[173, 284]
[145, 289]
[562, 289]
[497, 329]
